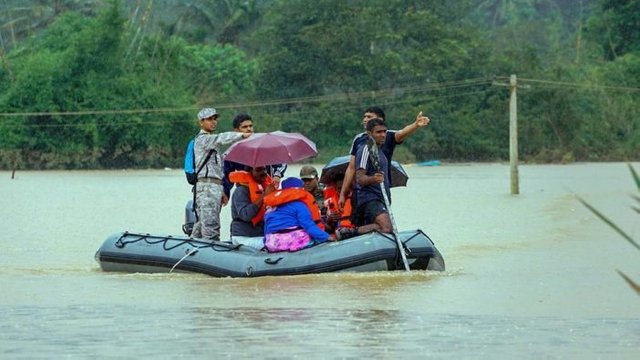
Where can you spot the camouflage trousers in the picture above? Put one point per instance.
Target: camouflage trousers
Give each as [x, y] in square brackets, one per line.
[208, 205]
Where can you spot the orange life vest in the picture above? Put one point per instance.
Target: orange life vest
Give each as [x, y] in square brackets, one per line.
[332, 197]
[284, 196]
[255, 190]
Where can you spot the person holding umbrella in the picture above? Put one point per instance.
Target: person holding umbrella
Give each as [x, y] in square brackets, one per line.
[243, 123]
[208, 161]
[259, 151]
[371, 212]
[392, 138]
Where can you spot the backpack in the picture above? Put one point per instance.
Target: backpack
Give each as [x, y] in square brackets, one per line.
[190, 163]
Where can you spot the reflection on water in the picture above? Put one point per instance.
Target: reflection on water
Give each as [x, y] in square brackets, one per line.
[305, 333]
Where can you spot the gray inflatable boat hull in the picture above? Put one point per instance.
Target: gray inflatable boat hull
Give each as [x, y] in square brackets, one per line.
[129, 252]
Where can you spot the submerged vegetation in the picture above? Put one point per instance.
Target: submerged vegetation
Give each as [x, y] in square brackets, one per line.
[113, 84]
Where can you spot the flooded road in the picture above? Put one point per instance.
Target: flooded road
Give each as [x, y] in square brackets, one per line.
[528, 276]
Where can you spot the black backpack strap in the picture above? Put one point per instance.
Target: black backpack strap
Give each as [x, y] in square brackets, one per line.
[204, 162]
[193, 203]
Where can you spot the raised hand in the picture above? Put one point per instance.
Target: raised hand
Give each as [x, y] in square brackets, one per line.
[422, 120]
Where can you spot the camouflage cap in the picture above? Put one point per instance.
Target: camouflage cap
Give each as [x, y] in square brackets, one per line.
[308, 172]
[206, 113]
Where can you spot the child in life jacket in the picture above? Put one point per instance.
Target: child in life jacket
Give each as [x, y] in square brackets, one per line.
[335, 218]
[292, 219]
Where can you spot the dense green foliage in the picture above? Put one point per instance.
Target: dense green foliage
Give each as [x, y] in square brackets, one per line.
[105, 84]
[93, 65]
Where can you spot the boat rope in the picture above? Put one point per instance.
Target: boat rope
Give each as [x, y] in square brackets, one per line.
[188, 253]
[131, 238]
[393, 240]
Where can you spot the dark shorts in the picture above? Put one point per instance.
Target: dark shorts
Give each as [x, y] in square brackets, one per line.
[367, 212]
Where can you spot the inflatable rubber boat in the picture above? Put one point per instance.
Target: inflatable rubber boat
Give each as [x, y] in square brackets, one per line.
[131, 252]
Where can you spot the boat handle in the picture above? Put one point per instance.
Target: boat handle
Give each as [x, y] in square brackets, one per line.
[271, 261]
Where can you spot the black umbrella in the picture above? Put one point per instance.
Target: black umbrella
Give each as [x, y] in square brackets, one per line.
[339, 165]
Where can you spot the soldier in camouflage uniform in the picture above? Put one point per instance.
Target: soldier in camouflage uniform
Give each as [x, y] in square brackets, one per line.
[209, 189]
[309, 176]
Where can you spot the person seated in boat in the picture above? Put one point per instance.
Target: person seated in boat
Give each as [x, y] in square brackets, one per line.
[309, 176]
[336, 218]
[247, 207]
[292, 220]
[371, 211]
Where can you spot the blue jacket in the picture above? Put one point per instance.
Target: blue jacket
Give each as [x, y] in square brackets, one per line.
[290, 215]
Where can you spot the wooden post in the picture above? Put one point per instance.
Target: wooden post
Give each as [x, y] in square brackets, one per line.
[513, 135]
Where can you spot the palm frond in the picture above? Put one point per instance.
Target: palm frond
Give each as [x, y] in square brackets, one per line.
[609, 222]
[631, 283]
[615, 227]
[635, 176]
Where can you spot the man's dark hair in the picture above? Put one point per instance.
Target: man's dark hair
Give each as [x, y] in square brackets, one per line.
[376, 110]
[239, 119]
[375, 122]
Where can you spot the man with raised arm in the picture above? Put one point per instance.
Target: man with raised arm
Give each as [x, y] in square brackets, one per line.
[208, 160]
[392, 138]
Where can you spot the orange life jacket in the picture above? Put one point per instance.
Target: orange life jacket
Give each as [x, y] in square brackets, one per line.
[284, 196]
[255, 190]
[332, 197]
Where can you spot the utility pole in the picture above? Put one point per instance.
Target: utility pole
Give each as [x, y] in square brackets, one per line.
[513, 134]
[513, 131]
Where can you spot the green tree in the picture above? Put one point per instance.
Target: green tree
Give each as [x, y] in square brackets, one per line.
[615, 24]
[80, 65]
[224, 22]
[359, 47]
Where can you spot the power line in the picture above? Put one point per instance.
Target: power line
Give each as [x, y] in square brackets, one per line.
[298, 113]
[338, 97]
[287, 101]
[575, 85]
[99, 112]
[127, 123]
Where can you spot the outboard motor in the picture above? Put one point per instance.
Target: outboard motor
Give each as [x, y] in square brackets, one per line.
[189, 218]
